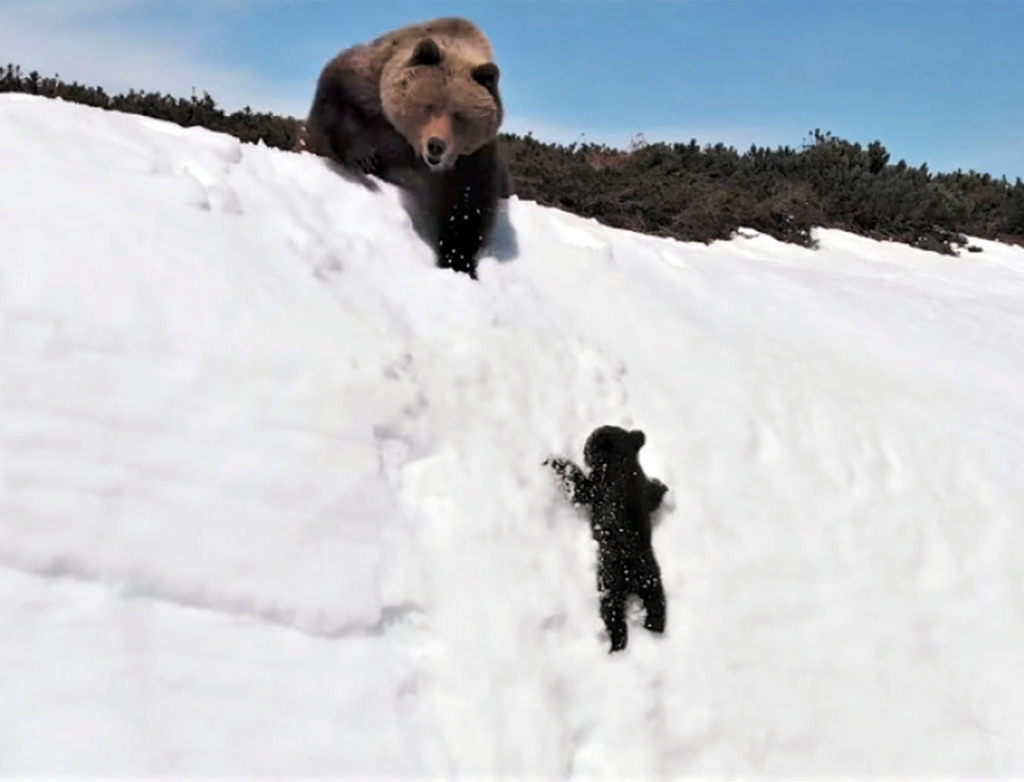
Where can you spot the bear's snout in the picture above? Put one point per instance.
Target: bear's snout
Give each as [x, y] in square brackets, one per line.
[435, 151]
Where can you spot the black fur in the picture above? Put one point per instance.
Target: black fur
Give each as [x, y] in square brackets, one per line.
[621, 498]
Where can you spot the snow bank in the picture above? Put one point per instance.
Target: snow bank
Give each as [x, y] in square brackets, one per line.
[271, 499]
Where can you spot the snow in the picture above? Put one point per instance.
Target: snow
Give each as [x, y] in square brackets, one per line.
[271, 500]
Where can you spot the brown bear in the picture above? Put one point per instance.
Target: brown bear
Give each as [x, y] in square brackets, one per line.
[419, 107]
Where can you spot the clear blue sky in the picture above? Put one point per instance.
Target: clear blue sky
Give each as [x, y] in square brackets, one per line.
[937, 81]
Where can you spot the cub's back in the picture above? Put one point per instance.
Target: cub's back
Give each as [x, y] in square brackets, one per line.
[621, 516]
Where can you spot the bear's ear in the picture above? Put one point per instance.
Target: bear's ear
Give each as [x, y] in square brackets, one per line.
[427, 52]
[486, 75]
[639, 438]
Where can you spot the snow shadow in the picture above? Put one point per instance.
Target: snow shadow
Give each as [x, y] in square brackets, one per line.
[503, 245]
[355, 177]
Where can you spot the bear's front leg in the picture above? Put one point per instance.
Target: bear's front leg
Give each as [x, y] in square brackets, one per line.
[467, 204]
[346, 130]
[351, 145]
[462, 234]
[655, 493]
[574, 482]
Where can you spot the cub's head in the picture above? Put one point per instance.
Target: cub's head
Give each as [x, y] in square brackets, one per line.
[444, 105]
[612, 445]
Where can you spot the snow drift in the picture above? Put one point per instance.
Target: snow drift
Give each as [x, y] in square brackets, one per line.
[271, 499]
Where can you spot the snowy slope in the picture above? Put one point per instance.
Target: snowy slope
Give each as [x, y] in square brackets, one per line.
[271, 499]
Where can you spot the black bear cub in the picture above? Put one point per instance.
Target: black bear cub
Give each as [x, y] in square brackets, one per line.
[621, 498]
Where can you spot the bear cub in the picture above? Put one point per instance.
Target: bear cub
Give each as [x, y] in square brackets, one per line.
[621, 499]
[419, 107]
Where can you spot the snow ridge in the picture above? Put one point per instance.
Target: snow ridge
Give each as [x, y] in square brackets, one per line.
[271, 495]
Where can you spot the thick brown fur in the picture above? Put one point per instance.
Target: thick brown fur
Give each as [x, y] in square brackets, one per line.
[420, 107]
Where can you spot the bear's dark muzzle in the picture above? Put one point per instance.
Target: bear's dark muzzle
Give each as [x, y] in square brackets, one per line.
[435, 152]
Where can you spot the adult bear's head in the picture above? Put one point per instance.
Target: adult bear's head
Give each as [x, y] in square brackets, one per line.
[444, 101]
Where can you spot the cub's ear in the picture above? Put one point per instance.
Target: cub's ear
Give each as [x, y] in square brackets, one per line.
[638, 438]
[486, 75]
[427, 52]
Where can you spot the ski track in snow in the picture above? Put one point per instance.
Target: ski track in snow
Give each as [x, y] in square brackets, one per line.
[271, 499]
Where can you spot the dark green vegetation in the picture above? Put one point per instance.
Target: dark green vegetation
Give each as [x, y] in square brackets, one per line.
[678, 190]
[246, 125]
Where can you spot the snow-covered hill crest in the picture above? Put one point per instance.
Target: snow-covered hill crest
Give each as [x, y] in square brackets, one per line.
[271, 498]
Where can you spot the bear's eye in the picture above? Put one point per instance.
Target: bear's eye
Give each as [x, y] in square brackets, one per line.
[458, 116]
